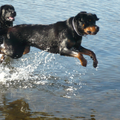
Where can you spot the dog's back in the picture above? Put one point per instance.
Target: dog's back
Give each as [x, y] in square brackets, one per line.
[44, 37]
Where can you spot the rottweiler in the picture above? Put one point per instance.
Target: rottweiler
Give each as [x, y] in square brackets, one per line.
[63, 37]
[7, 16]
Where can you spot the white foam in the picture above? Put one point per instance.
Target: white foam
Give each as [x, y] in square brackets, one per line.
[26, 68]
[0, 55]
[71, 88]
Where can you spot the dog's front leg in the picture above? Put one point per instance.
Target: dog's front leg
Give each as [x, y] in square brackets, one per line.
[68, 52]
[89, 53]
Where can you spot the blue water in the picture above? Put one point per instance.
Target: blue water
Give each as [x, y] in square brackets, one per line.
[41, 85]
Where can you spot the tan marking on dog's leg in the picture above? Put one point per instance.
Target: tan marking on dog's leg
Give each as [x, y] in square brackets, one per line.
[83, 61]
[26, 50]
[92, 55]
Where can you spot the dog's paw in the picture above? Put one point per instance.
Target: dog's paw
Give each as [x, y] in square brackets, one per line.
[95, 64]
[84, 62]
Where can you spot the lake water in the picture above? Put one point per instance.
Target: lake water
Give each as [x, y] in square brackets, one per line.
[44, 86]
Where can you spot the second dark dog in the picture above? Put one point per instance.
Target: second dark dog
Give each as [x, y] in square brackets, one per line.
[63, 37]
[7, 16]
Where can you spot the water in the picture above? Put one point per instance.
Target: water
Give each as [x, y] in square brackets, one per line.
[42, 86]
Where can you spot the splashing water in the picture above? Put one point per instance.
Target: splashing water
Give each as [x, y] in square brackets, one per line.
[41, 68]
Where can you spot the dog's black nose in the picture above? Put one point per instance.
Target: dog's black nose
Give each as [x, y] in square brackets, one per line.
[89, 32]
[97, 28]
[14, 13]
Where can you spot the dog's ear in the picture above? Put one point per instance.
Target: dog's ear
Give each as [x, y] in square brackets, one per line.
[83, 12]
[1, 10]
[80, 16]
[95, 17]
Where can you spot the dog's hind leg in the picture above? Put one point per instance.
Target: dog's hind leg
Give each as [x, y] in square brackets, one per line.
[26, 50]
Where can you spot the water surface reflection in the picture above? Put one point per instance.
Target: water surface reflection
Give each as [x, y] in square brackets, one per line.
[20, 110]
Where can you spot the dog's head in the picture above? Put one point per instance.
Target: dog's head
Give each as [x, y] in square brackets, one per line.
[85, 23]
[7, 13]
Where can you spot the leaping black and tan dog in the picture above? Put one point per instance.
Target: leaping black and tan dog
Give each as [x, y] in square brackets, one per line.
[63, 37]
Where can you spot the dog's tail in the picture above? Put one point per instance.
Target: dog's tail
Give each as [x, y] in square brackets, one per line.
[3, 31]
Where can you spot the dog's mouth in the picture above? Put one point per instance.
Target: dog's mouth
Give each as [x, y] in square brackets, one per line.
[10, 18]
[92, 30]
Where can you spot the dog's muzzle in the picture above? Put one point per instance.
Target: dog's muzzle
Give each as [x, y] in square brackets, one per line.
[91, 30]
